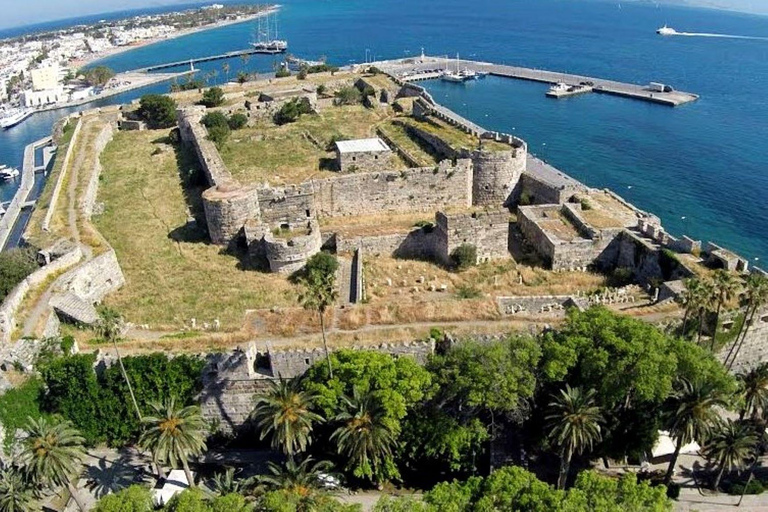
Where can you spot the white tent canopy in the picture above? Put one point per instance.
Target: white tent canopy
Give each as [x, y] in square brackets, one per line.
[665, 445]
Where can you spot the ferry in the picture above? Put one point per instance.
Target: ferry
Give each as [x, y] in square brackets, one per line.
[8, 173]
[12, 117]
[666, 31]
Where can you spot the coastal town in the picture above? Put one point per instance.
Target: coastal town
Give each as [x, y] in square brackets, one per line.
[323, 289]
[45, 70]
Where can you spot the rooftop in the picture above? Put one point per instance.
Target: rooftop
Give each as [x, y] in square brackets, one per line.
[373, 145]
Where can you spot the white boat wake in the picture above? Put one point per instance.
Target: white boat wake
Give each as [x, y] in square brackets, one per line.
[723, 36]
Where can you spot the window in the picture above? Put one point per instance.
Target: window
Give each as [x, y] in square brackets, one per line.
[354, 159]
[309, 214]
[306, 361]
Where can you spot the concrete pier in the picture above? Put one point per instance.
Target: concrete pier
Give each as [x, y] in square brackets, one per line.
[425, 68]
[19, 200]
[189, 62]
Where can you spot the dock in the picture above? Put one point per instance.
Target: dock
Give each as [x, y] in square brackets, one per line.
[427, 68]
[192, 62]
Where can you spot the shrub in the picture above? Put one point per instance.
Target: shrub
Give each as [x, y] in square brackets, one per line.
[157, 110]
[17, 404]
[282, 72]
[242, 77]
[212, 119]
[348, 96]
[525, 199]
[15, 265]
[292, 110]
[135, 498]
[435, 333]
[753, 487]
[468, 292]
[302, 74]
[174, 136]
[585, 204]
[427, 226]
[219, 135]
[464, 256]
[237, 121]
[368, 91]
[213, 97]
[621, 276]
[321, 89]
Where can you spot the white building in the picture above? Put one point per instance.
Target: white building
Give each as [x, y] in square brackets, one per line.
[42, 98]
[45, 78]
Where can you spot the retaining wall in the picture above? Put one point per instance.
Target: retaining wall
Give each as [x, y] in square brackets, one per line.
[94, 279]
[88, 200]
[416, 244]
[45, 225]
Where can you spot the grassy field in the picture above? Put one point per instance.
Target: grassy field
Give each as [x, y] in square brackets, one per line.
[296, 152]
[172, 272]
[456, 138]
[396, 133]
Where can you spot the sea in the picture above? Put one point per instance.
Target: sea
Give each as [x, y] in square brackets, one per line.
[702, 167]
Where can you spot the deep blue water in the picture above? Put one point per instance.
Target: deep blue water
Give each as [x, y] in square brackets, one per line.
[707, 161]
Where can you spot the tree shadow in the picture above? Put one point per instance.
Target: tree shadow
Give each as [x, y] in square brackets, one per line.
[193, 182]
[106, 477]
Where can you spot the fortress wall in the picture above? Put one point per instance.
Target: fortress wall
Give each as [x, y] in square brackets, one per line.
[582, 253]
[487, 231]
[290, 205]
[228, 209]
[288, 255]
[417, 244]
[755, 348]
[495, 175]
[438, 145]
[13, 300]
[534, 235]
[411, 190]
[192, 132]
[541, 192]
[94, 279]
[88, 200]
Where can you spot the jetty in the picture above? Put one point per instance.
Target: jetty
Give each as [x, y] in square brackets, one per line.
[428, 68]
[192, 62]
[12, 222]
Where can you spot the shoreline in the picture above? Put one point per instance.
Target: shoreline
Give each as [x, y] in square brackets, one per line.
[95, 58]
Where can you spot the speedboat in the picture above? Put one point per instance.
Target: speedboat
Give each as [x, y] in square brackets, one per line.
[8, 173]
[666, 31]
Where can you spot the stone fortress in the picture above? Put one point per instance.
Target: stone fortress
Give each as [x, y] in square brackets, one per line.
[473, 192]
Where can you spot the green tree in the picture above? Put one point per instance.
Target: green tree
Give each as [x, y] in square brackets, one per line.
[754, 390]
[98, 76]
[730, 445]
[304, 478]
[366, 437]
[292, 110]
[237, 121]
[390, 504]
[286, 501]
[703, 296]
[348, 96]
[15, 494]
[15, 265]
[157, 110]
[757, 296]
[215, 118]
[242, 77]
[136, 498]
[174, 434]
[225, 68]
[53, 455]
[593, 492]
[213, 97]
[285, 414]
[691, 415]
[110, 328]
[574, 422]
[319, 282]
[726, 285]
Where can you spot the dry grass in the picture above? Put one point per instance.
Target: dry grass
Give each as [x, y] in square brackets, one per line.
[607, 212]
[288, 154]
[456, 138]
[559, 226]
[172, 273]
[371, 225]
[397, 133]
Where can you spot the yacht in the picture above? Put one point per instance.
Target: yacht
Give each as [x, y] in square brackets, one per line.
[666, 31]
[8, 173]
[266, 42]
[460, 75]
[14, 116]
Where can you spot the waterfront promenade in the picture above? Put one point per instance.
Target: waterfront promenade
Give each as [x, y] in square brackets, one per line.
[424, 69]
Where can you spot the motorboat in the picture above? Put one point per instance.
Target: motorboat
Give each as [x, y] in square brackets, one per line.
[8, 173]
[666, 31]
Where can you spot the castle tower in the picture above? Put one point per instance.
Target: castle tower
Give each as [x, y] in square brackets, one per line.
[497, 173]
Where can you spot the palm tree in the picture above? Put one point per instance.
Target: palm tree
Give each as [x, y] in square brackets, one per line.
[15, 494]
[730, 446]
[110, 327]
[320, 291]
[285, 413]
[574, 420]
[174, 434]
[754, 385]
[302, 478]
[726, 285]
[366, 437]
[702, 295]
[757, 296]
[691, 415]
[226, 483]
[53, 454]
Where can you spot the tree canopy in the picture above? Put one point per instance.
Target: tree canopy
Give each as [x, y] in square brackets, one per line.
[157, 110]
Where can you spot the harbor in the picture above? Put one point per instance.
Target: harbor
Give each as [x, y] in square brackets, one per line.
[428, 68]
[210, 58]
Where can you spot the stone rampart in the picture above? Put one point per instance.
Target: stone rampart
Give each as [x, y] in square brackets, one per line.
[227, 209]
[287, 255]
[88, 200]
[287, 205]
[410, 190]
[416, 244]
[13, 300]
[488, 231]
[754, 349]
[60, 179]
[195, 134]
[94, 279]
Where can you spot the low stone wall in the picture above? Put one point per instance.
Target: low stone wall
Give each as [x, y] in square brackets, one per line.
[94, 279]
[88, 200]
[13, 300]
[195, 134]
[551, 305]
[60, 180]
[416, 244]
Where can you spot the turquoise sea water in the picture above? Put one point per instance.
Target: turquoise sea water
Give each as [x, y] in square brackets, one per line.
[703, 167]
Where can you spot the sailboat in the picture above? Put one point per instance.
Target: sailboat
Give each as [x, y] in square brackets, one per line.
[460, 75]
[265, 43]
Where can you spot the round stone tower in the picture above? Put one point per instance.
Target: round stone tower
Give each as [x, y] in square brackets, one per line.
[497, 173]
[227, 208]
[287, 255]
